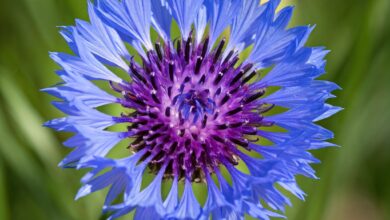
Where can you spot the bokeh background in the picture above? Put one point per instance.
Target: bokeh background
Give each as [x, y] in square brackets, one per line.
[355, 179]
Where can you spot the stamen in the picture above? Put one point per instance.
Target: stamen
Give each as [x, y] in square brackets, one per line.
[254, 97]
[158, 50]
[198, 65]
[246, 79]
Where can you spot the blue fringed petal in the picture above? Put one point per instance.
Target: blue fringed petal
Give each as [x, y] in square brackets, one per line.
[86, 65]
[131, 18]
[81, 91]
[185, 13]
[188, 207]
[245, 24]
[200, 24]
[162, 18]
[83, 116]
[90, 142]
[220, 14]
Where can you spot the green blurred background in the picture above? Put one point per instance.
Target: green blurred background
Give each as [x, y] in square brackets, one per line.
[355, 179]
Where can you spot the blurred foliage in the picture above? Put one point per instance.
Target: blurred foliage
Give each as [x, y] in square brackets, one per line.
[355, 181]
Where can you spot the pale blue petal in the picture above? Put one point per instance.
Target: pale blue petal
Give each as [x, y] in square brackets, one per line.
[172, 200]
[131, 17]
[220, 14]
[185, 13]
[86, 65]
[89, 142]
[84, 116]
[162, 18]
[200, 23]
[244, 25]
[189, 207]
[79, 89]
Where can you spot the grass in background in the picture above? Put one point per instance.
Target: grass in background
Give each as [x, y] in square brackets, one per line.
[354, 179]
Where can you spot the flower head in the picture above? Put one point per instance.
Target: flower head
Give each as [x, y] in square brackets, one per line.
[193, 104]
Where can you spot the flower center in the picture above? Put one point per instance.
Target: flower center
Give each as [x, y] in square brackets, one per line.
[192, 107]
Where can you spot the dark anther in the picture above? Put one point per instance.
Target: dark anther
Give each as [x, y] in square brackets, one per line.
[168, 112]
[225, 99]
[244, 144]
[216, 115]
[198, 65]
[237, 77]
[170, 91]
[182, 132]
[234, 91]
[222, 127]
[234, 61]
[234, 111]
[218, 78]
[235, 125]
[228, 56]
[188, 50]
[187, 79]
[144, 122]
[194, 136]
[155, 98]
[135, 72]
[142, 133]
[202, 79]
[134, 99]
[133, 126]
[218, 91]
[154, 136]
[254, 132]
[178, 47]
[254, 97]
[158, 50]
[247, 67]
[174, 146]
[187, 143]
[156, 127]
[219, 50]
[152, 115]
[246, 79]
[264, 109]
[204, 121]
[137, 141]
[205, 47]
[153, 80]
[218, 138]
[171, 69]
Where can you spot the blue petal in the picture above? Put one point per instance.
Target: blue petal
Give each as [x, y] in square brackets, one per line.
[90, 142]
[185, 13]
[86, 65]
[67, 34]
[215, 199]
[132, 18]
[150, 197]
[146, 213]
[79, 89]
[200, 23]
[293, 71]
[220, 14]
[272, 40]
[162, 18]
[84, 116]
[293, 188]
[102, 40]
[289, 97]
[189, 207]
[99, 183]
[244, 25]
[171, 201]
